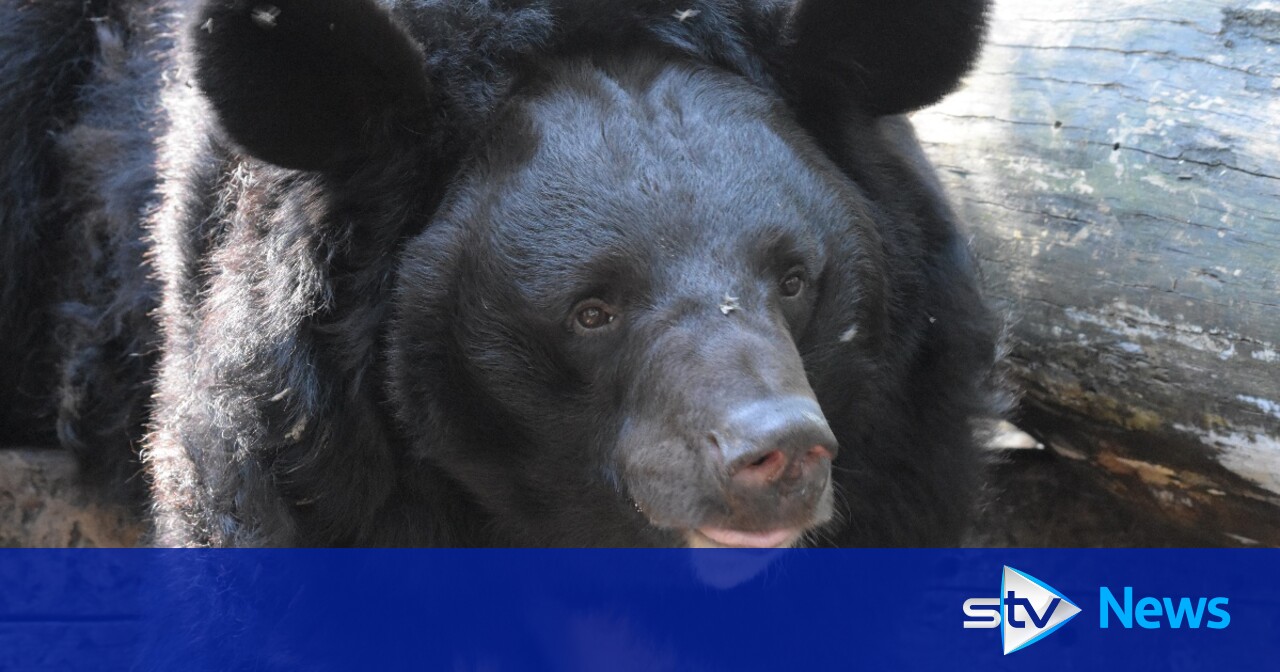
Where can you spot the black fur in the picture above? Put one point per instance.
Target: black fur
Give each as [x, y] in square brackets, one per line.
[81, 85]
[38, 78]
[311, 84]
[893, 57]
[370, 224]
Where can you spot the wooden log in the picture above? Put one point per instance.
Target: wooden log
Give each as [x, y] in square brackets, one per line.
[1118, 163]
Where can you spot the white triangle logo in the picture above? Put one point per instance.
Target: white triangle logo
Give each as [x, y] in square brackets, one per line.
[1030, 609]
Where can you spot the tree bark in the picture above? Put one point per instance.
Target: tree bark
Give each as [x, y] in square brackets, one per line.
[1118, 164]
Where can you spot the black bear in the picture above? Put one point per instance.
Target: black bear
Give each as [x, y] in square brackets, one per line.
[504, 272]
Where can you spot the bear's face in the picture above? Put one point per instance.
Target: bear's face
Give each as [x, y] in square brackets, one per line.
[600, 334]
[634, 303]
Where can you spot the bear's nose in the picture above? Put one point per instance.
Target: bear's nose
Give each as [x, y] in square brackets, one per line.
[782, 443]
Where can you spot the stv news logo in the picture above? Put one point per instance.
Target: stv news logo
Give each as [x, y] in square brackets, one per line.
[1028, 609]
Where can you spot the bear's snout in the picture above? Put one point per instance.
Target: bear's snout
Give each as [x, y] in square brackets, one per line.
[781, 445]
[739, 452]
[774, 457]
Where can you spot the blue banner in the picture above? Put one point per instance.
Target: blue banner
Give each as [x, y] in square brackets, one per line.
[639, 609]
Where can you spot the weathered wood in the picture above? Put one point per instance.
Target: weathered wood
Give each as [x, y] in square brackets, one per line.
[1119, 164]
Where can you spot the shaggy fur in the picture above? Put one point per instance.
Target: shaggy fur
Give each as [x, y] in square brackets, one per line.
[341, 209]
[37, 92]
[75, 312]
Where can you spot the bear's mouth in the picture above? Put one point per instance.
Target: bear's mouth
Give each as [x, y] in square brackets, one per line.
[711, 535]
[719, 537]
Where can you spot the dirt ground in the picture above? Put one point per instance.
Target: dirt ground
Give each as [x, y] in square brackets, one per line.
[44, 504]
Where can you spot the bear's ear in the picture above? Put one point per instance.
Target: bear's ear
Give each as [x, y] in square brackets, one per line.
[893, 55]
[310, 84]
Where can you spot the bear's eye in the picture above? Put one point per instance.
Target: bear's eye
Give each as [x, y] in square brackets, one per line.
[591, 315]
[792, 285]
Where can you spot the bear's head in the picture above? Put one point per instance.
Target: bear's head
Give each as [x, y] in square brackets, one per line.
[643, 293]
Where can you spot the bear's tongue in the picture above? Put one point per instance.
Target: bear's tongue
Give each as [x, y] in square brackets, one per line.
[737, 538]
